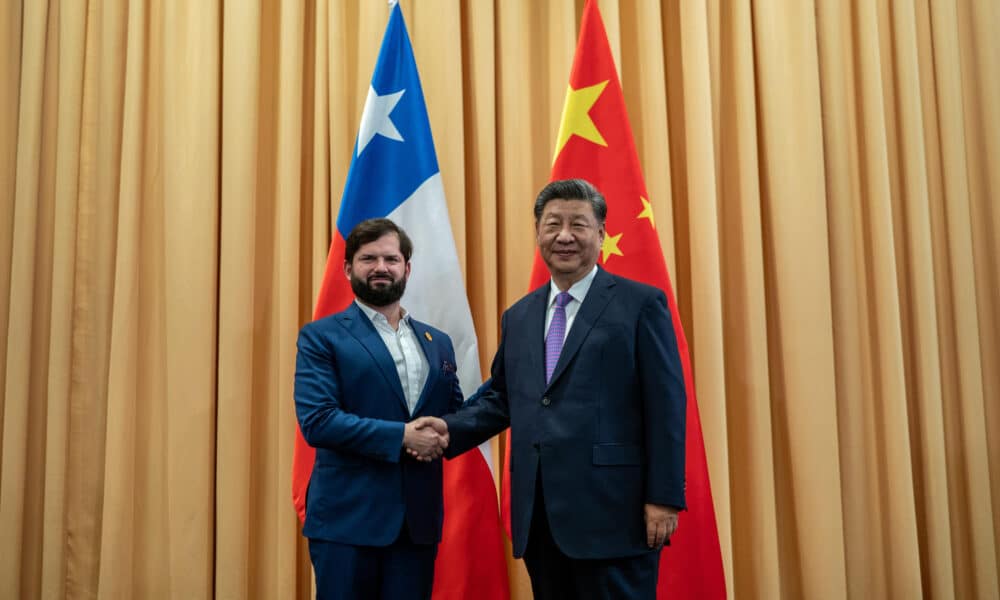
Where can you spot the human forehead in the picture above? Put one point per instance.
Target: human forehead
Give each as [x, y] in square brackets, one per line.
[561, 208]
[387, 245]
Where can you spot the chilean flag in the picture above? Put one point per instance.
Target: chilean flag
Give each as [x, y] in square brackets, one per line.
[394, 173]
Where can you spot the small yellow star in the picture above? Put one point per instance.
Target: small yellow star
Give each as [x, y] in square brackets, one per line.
[610, 246]
[576, 118]
[647, 212]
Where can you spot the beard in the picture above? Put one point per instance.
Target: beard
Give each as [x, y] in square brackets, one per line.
[383, 295]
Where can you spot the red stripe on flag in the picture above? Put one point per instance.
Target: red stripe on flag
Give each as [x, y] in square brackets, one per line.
[334, 296]
[471, 523]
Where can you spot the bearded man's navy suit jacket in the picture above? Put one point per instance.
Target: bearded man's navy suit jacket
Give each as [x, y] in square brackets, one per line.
[605, 435]
[351, 408]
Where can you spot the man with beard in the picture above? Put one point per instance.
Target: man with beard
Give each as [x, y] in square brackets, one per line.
[366, 381]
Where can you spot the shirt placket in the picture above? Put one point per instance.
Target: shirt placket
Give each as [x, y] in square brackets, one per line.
[412, 368]
[407, 371]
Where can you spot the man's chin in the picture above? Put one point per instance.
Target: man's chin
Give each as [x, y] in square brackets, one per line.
[378, 293]
[567, 265]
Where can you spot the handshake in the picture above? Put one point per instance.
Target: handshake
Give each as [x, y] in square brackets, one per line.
[425, 438]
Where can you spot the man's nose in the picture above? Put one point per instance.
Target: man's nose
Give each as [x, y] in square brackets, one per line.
[565, 235]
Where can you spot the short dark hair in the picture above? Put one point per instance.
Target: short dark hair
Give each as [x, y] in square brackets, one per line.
[572, 189]
[372, 229]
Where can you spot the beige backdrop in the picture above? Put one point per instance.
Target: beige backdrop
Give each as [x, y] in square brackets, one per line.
[825, 176]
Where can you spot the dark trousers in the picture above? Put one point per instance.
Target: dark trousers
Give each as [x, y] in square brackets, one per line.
[401, 571]
[555, 576]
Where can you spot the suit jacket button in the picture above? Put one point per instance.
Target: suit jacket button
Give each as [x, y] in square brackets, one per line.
[546, 401]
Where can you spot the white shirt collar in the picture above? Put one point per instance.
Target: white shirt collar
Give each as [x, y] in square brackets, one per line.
[578, 290]
[374, 315]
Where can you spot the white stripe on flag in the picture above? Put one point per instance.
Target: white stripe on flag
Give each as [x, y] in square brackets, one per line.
[435, 292]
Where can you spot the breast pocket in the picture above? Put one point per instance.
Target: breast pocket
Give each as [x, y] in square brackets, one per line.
[614, 347]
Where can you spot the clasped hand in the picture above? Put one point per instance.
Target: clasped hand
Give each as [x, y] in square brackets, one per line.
[426, 438]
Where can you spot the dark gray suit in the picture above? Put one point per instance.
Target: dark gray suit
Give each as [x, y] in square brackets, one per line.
[605, 436]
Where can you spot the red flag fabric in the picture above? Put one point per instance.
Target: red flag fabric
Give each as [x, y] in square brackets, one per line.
[595, 143]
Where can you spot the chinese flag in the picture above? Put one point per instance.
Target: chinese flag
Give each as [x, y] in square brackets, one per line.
[595, 143]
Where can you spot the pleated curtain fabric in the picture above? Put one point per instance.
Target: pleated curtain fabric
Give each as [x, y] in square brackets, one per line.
[824, 180]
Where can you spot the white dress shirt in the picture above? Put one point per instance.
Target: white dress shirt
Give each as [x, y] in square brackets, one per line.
[411, 364]
[578, 290]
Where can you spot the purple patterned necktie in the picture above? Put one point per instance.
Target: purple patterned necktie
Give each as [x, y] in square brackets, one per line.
[557, 332]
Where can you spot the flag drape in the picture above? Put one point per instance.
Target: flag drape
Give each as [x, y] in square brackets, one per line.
[595, 143]
[394, 173]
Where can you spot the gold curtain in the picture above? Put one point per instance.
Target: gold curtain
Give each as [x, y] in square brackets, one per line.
[825, 177]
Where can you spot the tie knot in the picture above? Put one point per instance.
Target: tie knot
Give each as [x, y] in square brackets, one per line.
[563, 298]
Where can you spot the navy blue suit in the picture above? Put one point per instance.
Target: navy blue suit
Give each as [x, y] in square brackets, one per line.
[604, 437]
[364, 490]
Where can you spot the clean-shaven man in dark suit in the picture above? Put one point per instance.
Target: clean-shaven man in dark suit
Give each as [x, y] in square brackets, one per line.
[365, 381]
[588, 377]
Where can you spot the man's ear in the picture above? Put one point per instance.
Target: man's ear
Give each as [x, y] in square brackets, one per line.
[347, 269]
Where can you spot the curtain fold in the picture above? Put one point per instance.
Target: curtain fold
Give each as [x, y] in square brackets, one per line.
[825, 180]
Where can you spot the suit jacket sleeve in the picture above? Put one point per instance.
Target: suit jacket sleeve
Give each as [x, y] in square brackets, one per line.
[486, 413]
[323, 421]
[664, 404]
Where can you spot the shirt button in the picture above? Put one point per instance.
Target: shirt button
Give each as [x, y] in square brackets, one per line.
[546, 401]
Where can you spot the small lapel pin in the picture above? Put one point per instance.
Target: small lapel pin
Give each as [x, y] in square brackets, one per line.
[427, 335]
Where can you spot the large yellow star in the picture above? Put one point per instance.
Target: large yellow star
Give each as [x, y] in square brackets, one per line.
[647, 212]
[610, 246]
[576, 118]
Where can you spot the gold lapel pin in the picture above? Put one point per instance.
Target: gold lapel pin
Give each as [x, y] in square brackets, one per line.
[427, 335]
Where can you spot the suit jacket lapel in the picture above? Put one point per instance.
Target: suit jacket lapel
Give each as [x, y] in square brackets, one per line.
[430, 348]
[362, 328]
[536, 322]
[598, 296]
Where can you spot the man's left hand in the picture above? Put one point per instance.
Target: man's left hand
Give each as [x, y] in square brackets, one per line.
[661, 522]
